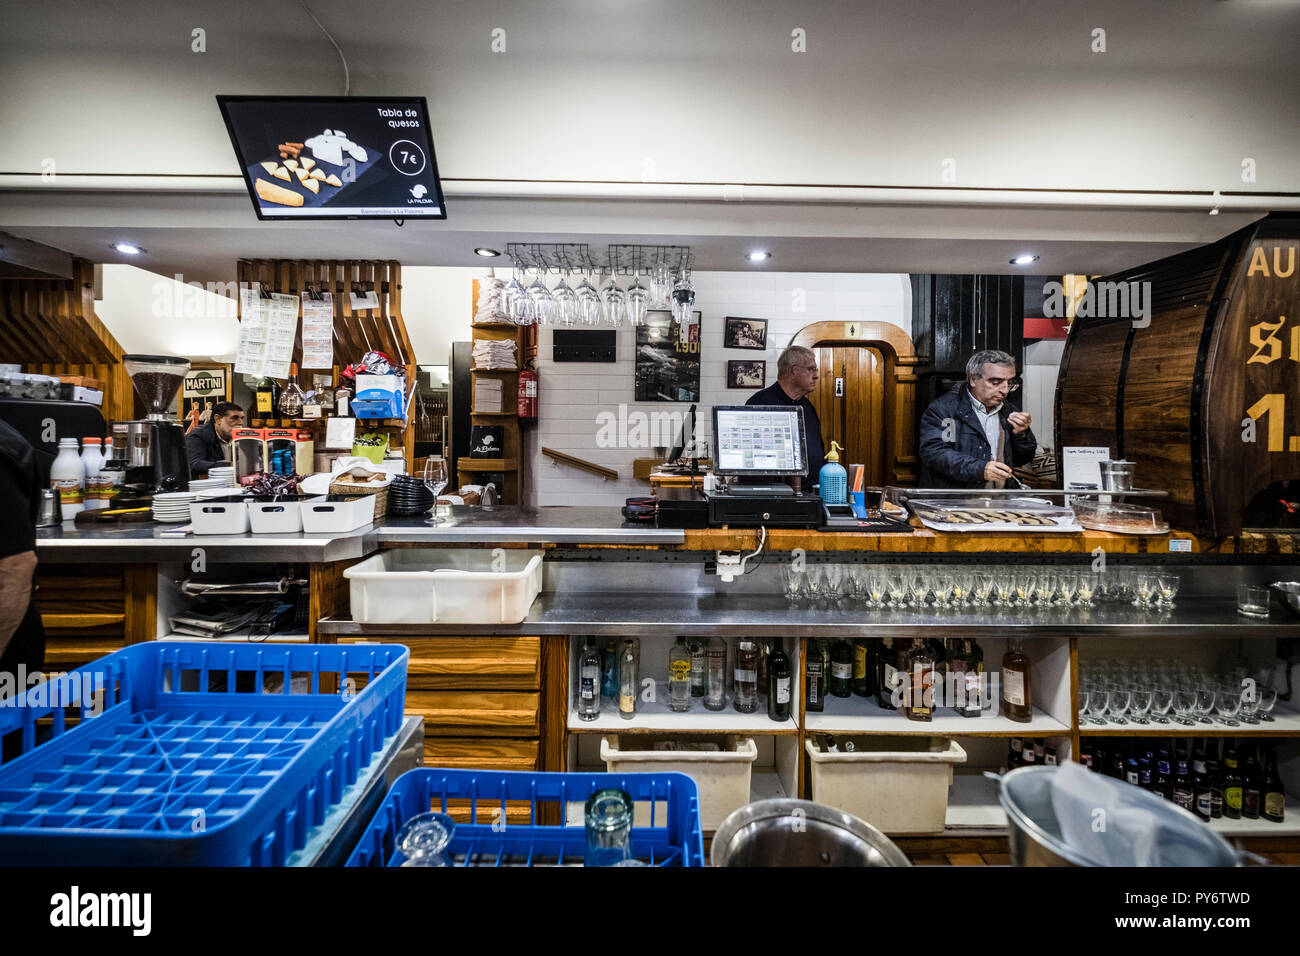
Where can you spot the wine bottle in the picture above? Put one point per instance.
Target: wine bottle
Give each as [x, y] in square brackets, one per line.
[291, 398]
[814, 672]
[887, 674]
[841, 680]
[918, 702]
[1274, 802]
[1016, 693]
[780, 682]
[1231, 784]
[266, 397]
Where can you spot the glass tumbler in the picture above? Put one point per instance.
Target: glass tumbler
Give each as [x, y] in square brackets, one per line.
[609, 828]
[422, 839]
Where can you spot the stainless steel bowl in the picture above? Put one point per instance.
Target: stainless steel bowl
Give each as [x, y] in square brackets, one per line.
[1289, 592]
[1036, 839]
[800, 833]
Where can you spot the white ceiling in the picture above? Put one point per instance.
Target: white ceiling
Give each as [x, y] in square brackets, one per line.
[673, 91]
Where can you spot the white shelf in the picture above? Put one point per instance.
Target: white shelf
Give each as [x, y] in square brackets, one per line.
[1284, 722]
[765, 784]
[973, 803]
[656, 716]
[862, 715]
[1290, 825]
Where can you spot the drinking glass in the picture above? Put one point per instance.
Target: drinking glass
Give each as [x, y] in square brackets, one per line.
[637, 300]
[1085, 701]
[1121, 585]
[1252, 601]
[1026, 585]
[813, 583]
[895, 590]
[1120, 700]
[1166, 589]
[1099, 700]
[589, 305]
[1267, 700]
[1228, 704]
[918, 586]
[608, 816]
[963, 583]
[1067, 588]
[1087, 588]
[614, 299]
[661, 284]
[832, 578]
[1249, 710]
[684, 299]
[1046, 588]
[985, 590]
[1140, 705]
[854, 583]
[794, 582]
[875, 586]
[513, 295]
[1143, 589]
[422, 839]
[1004, 587]
[1162, 699]
[435, 479]
[543, 299]
[1184, 705]
[941, 583]
[1206, 695]
[566, 302]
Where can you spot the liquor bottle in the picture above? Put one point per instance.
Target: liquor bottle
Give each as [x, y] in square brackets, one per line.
[1132, 769]
[1049, 757]
[1101, 758]
[918, 703]
[764, 652]
[864, 684]
[1015, 746]
[1027, 756]
[814, 674]
[266, 397]
[716, 698]
[841, 680]
[290, 403]
[1252, 787]
[1016, 689]
[1273, 804]
[699, 669]
[1183, 793]
[1231, 783]
[831, 746]
[679, 676]
[941, 652]
[887, 674]
[746, 678]
[589, 681]
[1215, 773]
[1164, 776]
[1146, 766]
[964, 687]
[1202, 799]
[628, 680]
[1117, 758]
[1040, 751]
[1085, 753]
[609, 661]
[780, 682]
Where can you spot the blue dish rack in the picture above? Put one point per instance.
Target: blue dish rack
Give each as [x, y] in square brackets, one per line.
[193, 753]
[674, 836]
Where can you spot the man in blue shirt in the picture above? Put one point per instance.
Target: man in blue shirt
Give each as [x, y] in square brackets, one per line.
[796, 377]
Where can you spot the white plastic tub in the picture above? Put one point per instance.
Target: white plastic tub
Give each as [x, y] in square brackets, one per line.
[321, 516]
[275, 517]
[897, 784]
[723, 777]
[219, 517]
[450, 586]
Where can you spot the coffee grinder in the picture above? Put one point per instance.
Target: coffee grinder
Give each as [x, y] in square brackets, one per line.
[156, 459]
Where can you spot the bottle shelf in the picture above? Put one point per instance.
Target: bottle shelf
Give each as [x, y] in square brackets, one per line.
[656, 717]
[862, 715]
[1290, 825]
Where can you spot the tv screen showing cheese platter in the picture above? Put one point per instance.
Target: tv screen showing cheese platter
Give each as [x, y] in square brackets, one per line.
[335, 157]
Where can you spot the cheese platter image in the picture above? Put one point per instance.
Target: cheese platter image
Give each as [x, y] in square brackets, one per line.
[335, 157]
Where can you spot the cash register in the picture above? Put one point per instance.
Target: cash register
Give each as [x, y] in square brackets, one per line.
[756, 450]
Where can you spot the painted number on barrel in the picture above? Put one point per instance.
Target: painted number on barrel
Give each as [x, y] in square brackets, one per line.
[1274, 406]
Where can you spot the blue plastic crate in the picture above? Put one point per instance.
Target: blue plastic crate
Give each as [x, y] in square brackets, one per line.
[200, 754]
[673, 838]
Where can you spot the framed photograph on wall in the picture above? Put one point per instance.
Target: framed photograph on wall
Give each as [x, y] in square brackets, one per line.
[740, 333]
[746, 374]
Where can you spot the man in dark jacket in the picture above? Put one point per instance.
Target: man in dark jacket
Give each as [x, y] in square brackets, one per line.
[970, 438]
[22, 638]
[207, 445]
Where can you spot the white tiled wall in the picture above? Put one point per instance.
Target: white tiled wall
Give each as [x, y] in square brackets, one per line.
[1042, 363]
[574, 394]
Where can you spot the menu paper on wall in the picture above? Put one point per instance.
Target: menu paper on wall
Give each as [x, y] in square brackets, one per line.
[267, 329]
[317, 331]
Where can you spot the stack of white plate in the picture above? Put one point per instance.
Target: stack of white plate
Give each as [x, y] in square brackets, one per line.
[222, 473]
[203, 484]
[172, 507]
[220, 492]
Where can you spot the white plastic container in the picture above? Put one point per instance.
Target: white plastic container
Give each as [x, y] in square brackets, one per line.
[92, 456]
[320, 516]
[723, 777]
[897, 784]
[450, 586]
[275, 517]
[219, 517]
[68, 478]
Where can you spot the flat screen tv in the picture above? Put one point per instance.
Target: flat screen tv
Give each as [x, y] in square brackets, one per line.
[336, 157]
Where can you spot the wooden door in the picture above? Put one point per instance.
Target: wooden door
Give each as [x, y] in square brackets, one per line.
[855, 418]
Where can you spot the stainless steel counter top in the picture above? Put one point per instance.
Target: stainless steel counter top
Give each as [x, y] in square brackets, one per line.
[550, 525]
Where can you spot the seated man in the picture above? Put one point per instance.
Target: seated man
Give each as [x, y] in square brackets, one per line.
[970, 437]
[209, 444]
[796, 377]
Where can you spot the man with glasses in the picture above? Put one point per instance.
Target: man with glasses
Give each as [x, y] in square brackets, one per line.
[970, 437]
[796, 377]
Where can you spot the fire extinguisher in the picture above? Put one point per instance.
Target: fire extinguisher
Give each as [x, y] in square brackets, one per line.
[528, 395]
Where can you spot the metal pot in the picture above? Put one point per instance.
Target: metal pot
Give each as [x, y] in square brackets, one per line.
[1289, 592]
[800, 833]
[1035, 835]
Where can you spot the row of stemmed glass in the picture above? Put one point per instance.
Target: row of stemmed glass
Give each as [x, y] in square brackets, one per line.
[1137, 587]
[1185, 700]
[944, 587]
[564, 305]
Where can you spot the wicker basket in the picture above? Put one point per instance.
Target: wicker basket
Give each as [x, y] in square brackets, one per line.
[340, 486]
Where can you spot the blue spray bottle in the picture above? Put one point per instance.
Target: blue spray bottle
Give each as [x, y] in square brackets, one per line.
[833, 480]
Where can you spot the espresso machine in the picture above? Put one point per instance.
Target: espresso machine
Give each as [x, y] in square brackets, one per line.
[156, 459]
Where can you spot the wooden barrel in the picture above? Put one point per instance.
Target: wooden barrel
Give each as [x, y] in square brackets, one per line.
[1201, 393]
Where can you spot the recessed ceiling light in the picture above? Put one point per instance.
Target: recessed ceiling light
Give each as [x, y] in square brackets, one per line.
[759, 255]
[128, 248]
[1023, 260]
[486, 253]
